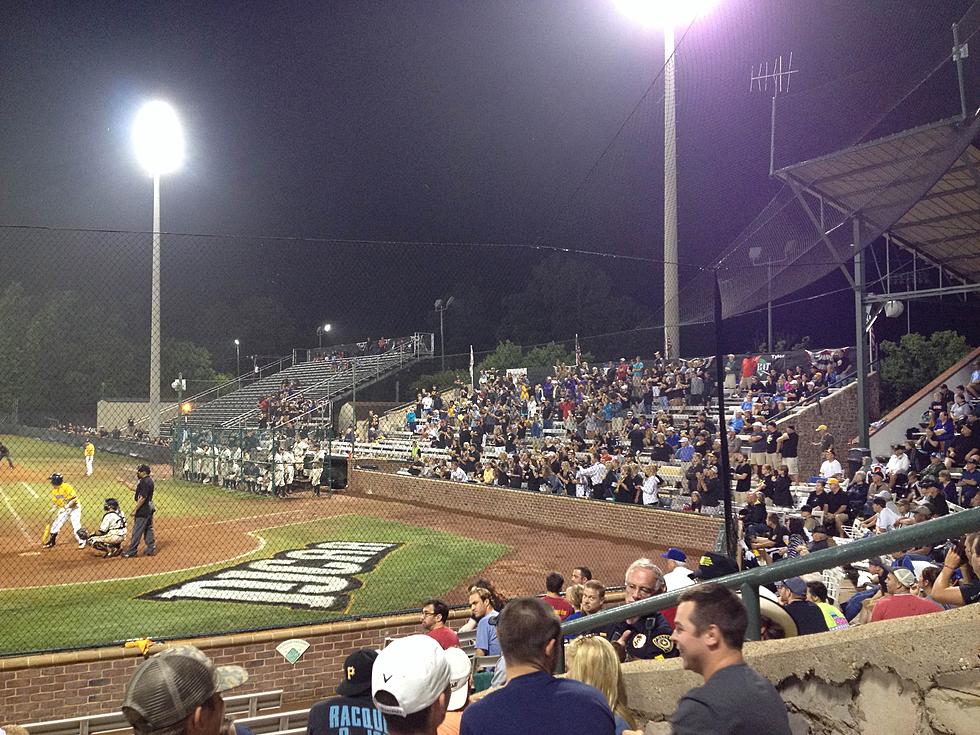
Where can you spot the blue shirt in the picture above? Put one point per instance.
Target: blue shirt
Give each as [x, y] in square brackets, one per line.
[685, 453]
[486, 635]
[540, 703]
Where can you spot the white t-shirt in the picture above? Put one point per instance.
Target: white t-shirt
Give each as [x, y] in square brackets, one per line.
[679, 578]
[897, 464]
[886, 519]
[830, 468]
[650, 487]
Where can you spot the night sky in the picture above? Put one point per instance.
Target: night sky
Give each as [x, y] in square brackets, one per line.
[507, 122]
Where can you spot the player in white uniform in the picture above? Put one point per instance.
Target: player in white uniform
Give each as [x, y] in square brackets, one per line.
[112, 530]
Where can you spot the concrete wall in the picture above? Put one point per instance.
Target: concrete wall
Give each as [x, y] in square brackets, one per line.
[115, 414]
[600, 519]
[911, 676]
[909, 412]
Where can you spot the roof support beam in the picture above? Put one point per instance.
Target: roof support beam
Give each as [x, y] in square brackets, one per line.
[822, 236]
[924, 293]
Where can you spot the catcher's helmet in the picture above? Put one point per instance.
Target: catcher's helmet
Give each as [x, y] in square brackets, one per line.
[110, 504]
[56, 479]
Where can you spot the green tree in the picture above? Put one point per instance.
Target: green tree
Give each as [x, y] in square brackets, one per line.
[506, 355]
[915, 360]
[189, 359]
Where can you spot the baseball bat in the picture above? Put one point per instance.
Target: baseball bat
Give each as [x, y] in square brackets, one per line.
[44, 536]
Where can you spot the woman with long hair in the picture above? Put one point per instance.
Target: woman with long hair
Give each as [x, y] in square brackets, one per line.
[594, 661]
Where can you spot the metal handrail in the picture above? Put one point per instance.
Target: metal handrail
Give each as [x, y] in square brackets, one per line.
[748, 581]
[841, 382]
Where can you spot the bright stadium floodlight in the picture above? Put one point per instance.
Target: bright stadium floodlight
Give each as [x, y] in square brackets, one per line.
[668, 14]
[159, 143]
[158, 138]
[660, 13]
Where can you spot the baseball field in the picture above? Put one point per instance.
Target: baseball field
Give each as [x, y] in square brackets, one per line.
[226, 560]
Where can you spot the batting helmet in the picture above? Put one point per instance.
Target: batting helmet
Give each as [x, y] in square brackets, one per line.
[56, 479]
[110, 504]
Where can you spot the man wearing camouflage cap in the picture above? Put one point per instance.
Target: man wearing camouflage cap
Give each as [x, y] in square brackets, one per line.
[178, 692]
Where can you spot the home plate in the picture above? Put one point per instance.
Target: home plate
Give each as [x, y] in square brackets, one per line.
[29, 553]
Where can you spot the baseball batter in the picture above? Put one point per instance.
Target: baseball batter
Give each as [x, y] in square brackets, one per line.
[89, 457]
[65, 506]
[112, 530]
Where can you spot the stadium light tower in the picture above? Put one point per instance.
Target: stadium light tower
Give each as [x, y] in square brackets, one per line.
[668, 14]
[238, 357]
[320, 331]
[159, 144]
[441, 308]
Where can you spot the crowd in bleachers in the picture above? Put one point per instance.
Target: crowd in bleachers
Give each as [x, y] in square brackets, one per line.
[494, 674]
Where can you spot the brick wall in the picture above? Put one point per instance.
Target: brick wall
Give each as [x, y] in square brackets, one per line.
[659, 528]
[46, 687]
[839, 412]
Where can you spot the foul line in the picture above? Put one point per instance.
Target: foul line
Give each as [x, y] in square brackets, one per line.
[254, 534]
[30, 490]
[16, 515]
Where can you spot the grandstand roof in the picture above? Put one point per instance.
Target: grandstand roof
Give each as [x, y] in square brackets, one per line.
[921, 185]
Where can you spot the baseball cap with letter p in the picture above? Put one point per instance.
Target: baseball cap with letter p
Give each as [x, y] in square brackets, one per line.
[411, 673]
[168, 687]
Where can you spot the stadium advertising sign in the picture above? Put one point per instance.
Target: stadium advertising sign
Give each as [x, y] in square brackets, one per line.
[319, 577]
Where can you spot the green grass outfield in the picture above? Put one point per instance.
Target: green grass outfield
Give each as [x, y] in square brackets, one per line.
[74, 615]
[428, 563]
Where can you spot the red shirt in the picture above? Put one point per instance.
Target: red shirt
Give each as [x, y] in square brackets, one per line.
[445, 636]
[902, 606]
[561, 605]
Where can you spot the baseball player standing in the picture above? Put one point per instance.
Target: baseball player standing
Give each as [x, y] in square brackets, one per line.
[142, 513]
[89, 458]
[5, 455]
[66, 507]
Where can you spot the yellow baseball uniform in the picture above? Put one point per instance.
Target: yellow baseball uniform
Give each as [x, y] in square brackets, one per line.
[62, 495]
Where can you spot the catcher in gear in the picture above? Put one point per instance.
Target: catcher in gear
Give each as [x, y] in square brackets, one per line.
[65, 506]
[112, 530]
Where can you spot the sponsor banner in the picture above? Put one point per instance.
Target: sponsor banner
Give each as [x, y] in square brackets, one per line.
[318, 577]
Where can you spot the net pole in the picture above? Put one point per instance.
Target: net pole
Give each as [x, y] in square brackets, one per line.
[725, 475]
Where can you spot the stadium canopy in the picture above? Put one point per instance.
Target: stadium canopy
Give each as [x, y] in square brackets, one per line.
[920, 188]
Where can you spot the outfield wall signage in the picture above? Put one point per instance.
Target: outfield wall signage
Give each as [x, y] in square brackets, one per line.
[319, 577]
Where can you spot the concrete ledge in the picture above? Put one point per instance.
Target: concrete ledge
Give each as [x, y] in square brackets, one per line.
[912, 675]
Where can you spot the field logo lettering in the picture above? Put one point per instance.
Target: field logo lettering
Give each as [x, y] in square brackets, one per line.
[319, 577]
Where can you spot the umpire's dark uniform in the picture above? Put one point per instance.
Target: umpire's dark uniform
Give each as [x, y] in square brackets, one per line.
[143, 517]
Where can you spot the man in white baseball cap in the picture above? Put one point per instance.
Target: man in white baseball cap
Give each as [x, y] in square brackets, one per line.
[460, 670]
[410, 685]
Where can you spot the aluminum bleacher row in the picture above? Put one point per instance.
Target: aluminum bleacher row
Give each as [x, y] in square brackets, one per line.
[317, 381]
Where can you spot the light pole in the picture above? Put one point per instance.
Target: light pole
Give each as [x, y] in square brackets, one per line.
[441, 308]
[159, 144]
[756, 258]
[238, 358]
[668, 14]
[320, 331]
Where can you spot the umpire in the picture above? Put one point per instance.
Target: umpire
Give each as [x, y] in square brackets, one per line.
[142, 513]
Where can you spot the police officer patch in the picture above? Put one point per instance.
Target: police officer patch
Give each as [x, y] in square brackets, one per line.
[663, 642]
[638, 640]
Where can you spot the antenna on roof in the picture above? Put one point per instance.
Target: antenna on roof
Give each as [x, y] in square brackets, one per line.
[779, 75]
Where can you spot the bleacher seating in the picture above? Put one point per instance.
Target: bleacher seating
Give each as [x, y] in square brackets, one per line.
[108, 723]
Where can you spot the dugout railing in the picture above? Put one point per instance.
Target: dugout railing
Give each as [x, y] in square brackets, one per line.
[749, 581]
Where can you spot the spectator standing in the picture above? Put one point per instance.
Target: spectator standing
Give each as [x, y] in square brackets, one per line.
[179, 691]
[435, 613]
[581, 575]
[534, 701]
[554, 583]
[825, 440]
[789, 450]
[734, 699]
[410, 685]
[351, 712]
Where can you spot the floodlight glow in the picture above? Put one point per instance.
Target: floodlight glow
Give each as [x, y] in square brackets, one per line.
[158, 138]
[662, 13]
[326, 327]
[186, 408]
[237, 343]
